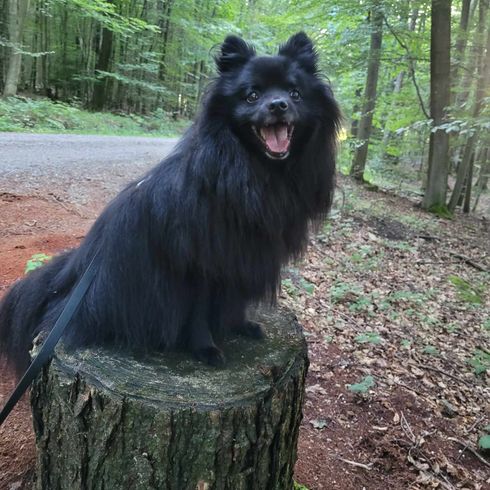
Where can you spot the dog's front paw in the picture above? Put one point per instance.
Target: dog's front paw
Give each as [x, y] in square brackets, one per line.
[211, 355]
[251, 329]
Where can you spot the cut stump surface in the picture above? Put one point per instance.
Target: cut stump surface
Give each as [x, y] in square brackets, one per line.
[104, 420]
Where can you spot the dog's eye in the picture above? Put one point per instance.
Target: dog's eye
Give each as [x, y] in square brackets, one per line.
[294, 94]
[253, 97]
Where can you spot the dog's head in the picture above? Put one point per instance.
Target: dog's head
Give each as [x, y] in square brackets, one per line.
[273, 102]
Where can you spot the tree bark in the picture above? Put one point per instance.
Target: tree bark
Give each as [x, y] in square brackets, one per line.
[366, 122]
[482, 182]
[17, 10]
[104, 420]
[461, 40]
[103, 62]
[440, 66]
[483, 73]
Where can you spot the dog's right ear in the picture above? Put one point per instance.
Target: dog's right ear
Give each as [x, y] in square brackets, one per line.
[235, 52]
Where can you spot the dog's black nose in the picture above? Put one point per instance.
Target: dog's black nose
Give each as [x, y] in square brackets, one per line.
[277, 106]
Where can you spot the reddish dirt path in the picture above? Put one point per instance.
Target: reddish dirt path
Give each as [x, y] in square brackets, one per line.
[28, 225]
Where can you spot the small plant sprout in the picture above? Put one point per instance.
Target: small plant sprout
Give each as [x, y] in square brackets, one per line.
[363, 386]
[36, 261]
[480, 362]
[467, 292]
[431, 350]
[368, 338]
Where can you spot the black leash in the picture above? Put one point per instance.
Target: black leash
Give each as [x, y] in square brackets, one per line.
[52, 339]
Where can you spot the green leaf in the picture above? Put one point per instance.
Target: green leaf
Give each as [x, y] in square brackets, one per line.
[307, 286]
[368, 338]
[298, 486]
[480, 361]
[484, 442]
[36, 261]
[430, 349]
[363, 386]
[289, 287]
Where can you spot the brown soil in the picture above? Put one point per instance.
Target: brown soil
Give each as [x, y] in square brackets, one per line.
[393, 438]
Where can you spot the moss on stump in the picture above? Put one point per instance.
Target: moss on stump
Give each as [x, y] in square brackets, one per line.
[104, 420]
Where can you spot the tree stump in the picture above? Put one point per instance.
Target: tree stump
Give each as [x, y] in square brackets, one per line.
[104, 420]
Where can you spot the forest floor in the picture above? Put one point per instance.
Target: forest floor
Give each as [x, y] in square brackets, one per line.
[395, 306]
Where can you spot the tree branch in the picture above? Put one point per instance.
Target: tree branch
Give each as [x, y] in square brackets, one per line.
[410, 67]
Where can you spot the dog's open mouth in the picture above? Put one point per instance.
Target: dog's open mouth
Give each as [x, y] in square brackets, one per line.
[276, 139]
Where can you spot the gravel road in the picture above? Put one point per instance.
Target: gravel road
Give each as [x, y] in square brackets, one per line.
[75, 168]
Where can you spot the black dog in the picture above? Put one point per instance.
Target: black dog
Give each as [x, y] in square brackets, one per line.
[182, 252]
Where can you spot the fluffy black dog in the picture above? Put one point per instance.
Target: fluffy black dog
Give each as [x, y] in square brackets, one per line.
[184, 250]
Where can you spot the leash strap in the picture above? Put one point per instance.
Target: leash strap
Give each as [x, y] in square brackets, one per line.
[52, 339]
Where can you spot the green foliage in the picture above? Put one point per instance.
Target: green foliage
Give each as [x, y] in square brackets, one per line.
[342, 291]
[293, 287]
[37, 260]
[289, 287]
[431, 350]
[107, 14]
[298, 486]
[44, 116]
[452, 327]
[405, 343]
[480, 362]
[368, 338]
[363, 386]
[364, 303]
[467, 292]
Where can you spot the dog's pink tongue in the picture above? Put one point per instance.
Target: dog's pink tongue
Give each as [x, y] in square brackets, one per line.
[276, 137]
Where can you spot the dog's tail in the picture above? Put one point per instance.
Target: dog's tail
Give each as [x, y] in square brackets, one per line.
[22, 312]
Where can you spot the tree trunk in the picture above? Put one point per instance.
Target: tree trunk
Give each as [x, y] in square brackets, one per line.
[103, 61]
[483, 177]
[355, 109]
[461, 40]
[17, 10]
[104, 420]
[366, 122]
[468, 187]
[440, 65]
[468, 62]
[483, 72]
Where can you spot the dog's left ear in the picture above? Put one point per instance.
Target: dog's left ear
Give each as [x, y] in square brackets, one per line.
[300, 48]
[235, 52]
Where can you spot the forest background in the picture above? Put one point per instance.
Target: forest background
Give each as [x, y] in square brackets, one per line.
[147, 62]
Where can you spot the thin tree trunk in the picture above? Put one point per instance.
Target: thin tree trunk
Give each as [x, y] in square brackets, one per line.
[103, 62]
[17, 10]
[469, 63]
[483, 70]
[355, 120]
[461, 40]
[469, 187]
[440, 66]
[483, 176]
[366, 122]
